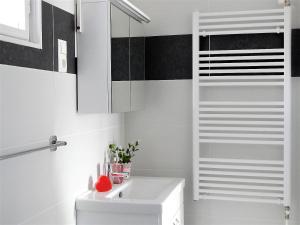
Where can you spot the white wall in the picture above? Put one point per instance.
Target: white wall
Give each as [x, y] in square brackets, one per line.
[165, 126]
[170, 17]
[165, 131]
[40, 188]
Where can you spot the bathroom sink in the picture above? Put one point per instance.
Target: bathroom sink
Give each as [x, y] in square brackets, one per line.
[147, 189]
[159, 198]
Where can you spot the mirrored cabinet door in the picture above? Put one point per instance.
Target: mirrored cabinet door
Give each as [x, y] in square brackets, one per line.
[120, 60]
[137, 64]
[111, 57]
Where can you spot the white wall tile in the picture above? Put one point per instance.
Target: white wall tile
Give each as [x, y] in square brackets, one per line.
[165, 131]
[40, 188]
[27, 98]
[165, 125]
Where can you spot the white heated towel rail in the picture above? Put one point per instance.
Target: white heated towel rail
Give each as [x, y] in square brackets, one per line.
[242, 101]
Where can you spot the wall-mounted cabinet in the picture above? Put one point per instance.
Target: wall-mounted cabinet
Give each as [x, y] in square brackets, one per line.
[137, 64]
[111, 57]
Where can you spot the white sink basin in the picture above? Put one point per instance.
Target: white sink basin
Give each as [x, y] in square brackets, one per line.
[139, 195]
[142, 188]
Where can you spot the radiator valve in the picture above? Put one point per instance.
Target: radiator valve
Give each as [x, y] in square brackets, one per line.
[287, 211]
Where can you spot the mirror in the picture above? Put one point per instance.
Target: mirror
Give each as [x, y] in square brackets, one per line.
[137, 64]
[120, 70]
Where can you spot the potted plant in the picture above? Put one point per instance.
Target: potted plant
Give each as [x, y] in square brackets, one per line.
[116, 167]
[121, 159]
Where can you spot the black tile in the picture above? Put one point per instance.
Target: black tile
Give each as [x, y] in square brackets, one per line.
[137, 58]
[296, 35]
[17, 55]
[120, 59]
[296, 64]
[241, 41]
[169, 57]
[64, 28]
[296, 53]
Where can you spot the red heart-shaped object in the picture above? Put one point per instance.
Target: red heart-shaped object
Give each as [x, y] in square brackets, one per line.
[103, 184]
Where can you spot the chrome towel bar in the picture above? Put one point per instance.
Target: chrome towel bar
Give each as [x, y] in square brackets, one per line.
[53, 145]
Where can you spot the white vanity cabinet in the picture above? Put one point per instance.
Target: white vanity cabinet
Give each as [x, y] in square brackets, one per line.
[140, 201]
[111, 57]
[172, 208]
[179, 217]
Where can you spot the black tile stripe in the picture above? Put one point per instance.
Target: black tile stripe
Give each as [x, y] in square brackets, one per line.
[296, 53]
[242, 41]
[120, 59]
[137, 58]
[170, 57]
[167, 57]
[56, 23]
[64, 28]
[128, 58]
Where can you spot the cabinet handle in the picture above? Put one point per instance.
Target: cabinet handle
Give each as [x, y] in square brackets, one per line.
[176, 222]
[78, 16]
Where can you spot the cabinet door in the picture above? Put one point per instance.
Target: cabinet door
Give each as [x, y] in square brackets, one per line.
[120, 72]
[179, 217]
[93, 44]
[137, 64]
